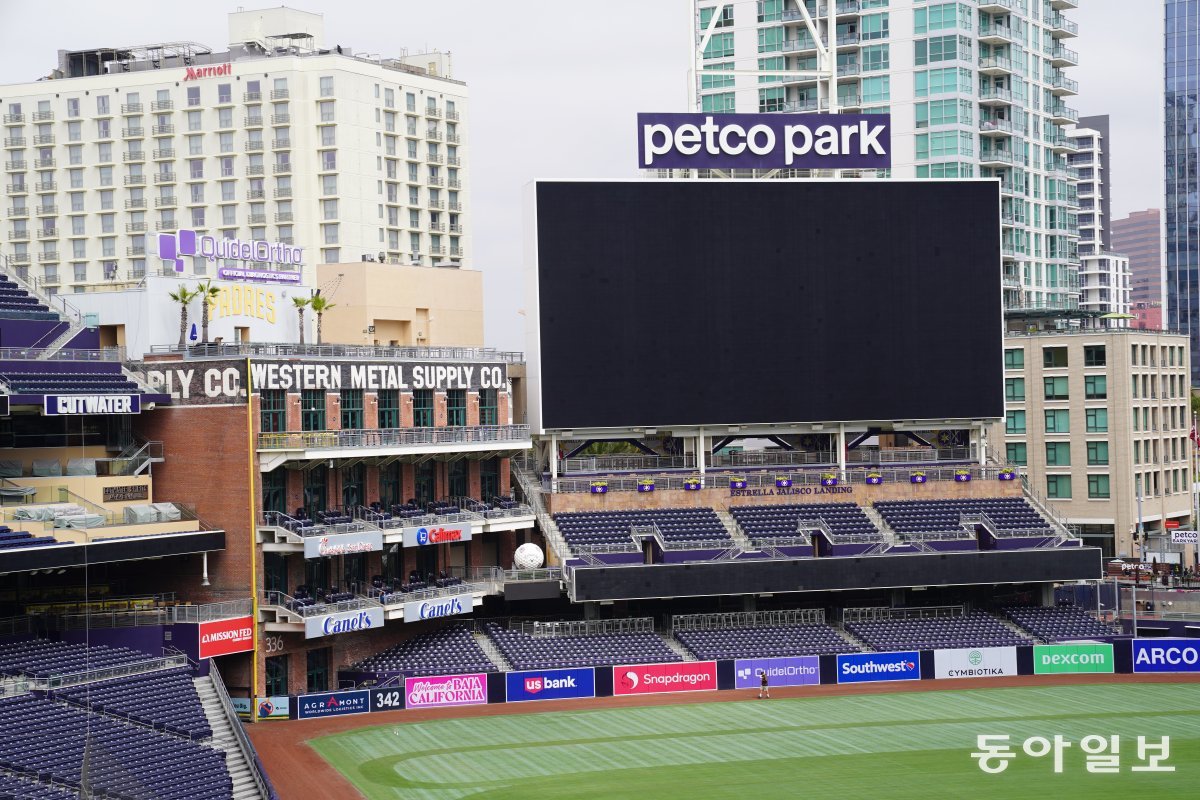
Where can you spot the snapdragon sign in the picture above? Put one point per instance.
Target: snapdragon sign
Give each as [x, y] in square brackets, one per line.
[764, 141]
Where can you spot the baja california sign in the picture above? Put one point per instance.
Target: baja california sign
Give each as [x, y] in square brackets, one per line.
[445, 690]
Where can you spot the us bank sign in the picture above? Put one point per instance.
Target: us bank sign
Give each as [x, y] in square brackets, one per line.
[259, 254]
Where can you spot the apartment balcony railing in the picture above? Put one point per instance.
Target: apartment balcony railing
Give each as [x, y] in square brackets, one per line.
[395, 437]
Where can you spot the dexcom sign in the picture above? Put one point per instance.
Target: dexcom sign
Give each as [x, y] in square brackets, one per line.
[1166, 655]
[764, 141]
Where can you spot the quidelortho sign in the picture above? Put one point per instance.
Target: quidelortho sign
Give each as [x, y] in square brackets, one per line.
[794, 671]
[1052, 659]
[872, 667]
[343, 622]
[764, 141]
[60, 405]
[1166, 655]
[436, 534]
[439, 607]
[173, 247]
[343, 544]
[975, 662]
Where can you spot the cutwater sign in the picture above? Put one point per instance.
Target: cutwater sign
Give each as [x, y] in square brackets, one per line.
[764, 141]
[549, 684]
[343, 622]
[332, 704]
[869, 667]
[1166, 655]
[61, 405]
[440, 607]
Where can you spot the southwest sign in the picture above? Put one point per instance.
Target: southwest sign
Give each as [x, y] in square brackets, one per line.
[441, 607]
[549, 684]
[764, 141]
[1166, 655]
[56, 405]
[975, 662]
[224, 636]
[875, 667]
[1056, 659]
[343, 544]
[686, 676]
[343, 622]
[436, 534]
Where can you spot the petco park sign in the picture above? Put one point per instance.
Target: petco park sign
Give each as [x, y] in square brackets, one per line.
[764, 141]
[440, 607]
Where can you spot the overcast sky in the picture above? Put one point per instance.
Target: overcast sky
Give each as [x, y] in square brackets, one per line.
[555, 85]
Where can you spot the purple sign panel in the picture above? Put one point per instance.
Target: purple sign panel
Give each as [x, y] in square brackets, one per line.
[796, 671]
[764, 141]
[445, 690]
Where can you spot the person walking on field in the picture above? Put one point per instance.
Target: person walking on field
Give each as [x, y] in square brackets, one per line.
[764, 690]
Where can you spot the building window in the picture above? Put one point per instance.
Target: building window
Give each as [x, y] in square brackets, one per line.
[874, 26]
[353, 480]
[1058, 421]
[1054, 357]
[875, 58]
[1058, 454]
[944, 15]
[1016, 453]
[456, 407]
[389, 484]
[312, 410]
[1056, 388]
[423, 408]
[456, 478]
[770, 100]
[1095, 387]
[1014, 389]
[1014, 422]
[1098, 487]
[318, 670]
[488, 407]
[720, 45]
[273, 410]
[326, 86]
[1014, 359]
[389, 408]
[1058, 487]
[724, 103]
[489, 479]
[1097, 420]
[1094, 356]
[1097, 454]
[277, 675]
[710, 78]
[352, 408]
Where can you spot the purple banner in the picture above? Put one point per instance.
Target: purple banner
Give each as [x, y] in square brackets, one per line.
[764, 141]
[445, 690]
[796, 671]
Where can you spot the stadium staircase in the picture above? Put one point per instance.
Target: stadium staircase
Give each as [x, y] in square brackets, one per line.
[678, 647]
[877, 520]
[492, 652]
[735, 531]
[858, 643]
[1012, 626]
[531, 488]
[224, 738]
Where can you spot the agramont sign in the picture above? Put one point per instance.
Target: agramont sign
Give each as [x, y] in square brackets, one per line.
[215, 71]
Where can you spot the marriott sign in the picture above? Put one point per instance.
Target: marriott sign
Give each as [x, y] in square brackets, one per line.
[216, 71]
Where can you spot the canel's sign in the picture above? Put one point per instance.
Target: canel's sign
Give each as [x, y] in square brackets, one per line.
[343, 622]
[764, 141]
[440, 607]
[184, 242]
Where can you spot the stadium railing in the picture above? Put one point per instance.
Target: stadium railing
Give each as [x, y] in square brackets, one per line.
[392, 437]
[270, 350]
[388, 599]
[211, 611]
[885, 613]
[531, 489]
[261, 781]
[50, 354]
[855, 476]
[763, 458]
[747, 619]
[278, 599]
[67, 679]
[584, 627]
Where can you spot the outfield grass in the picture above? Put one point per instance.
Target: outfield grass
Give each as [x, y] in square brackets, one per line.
[906, 745]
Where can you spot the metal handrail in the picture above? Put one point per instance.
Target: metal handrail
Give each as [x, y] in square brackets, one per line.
[747, 619]
[64, 680]
[813, 477]
[392, 437]
[275, 349]
[265, 790]
[211, 611]
[65, 354]
[400, 598]
[271, 597]
[585, 627]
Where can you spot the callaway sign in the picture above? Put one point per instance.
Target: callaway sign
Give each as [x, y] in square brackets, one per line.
[765, 141]
[441, 607]
[54, 405]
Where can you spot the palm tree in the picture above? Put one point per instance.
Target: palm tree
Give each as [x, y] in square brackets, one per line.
[319, 306]
[208, 296]
[183, 296]
[301, 303]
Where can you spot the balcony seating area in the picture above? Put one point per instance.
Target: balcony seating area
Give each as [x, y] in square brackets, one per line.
[925, 516]
[764, 642]
[1060, 624]
[393, 591]
[771, 521]
[13, 540]
[166, 701]
[44, 740]
[448, 651]
[597, 529]
[16, 303]
[525, 651]
[975, 629]
[66, 377]
[39, 658]
[307, 596]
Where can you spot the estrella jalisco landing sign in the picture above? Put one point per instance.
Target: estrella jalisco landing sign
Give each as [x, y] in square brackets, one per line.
[764, 141]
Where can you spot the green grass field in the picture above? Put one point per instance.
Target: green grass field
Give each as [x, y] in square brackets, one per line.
[907, 745]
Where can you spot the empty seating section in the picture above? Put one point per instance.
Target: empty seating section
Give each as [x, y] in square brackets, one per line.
[13, 787]
[1060, 624]
[525, 651]
[766, 522]
[448, 651]
[975, 629]
[597, 529]
[44, 740]
[11, 540]
[165, 700]
[66, 377]
[927, 516]
[393, 590]
[38, 658]
[764, 641]
[16, 303]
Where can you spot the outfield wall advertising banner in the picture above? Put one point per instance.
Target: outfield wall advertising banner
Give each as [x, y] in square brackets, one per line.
[268, 707]
[445, 690]
[764, 141]
[975, 662]
[332, 704]
[797, 671]
[549, 684]
[1166, 655]
[687, 676]
[224, 636]
[1055, 659]
[869, 667]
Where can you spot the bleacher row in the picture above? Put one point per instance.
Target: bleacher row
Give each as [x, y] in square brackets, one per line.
[10, 539]
[455, 649]
[17, 303]
[596, 530]
[74, 377]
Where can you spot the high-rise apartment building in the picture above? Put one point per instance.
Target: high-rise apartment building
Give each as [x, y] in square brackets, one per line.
[973, 89]
[281, 138]
[1181, 49]
[1104, 278]
[1139, 236]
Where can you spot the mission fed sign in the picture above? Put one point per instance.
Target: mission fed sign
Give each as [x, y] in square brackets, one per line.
[764, 141]
[59, 405]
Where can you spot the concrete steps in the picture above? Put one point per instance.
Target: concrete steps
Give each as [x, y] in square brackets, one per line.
[492, 652]
[735, 531]
[855, 642]
[674, 644]
[876, 518]
[240, 769]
